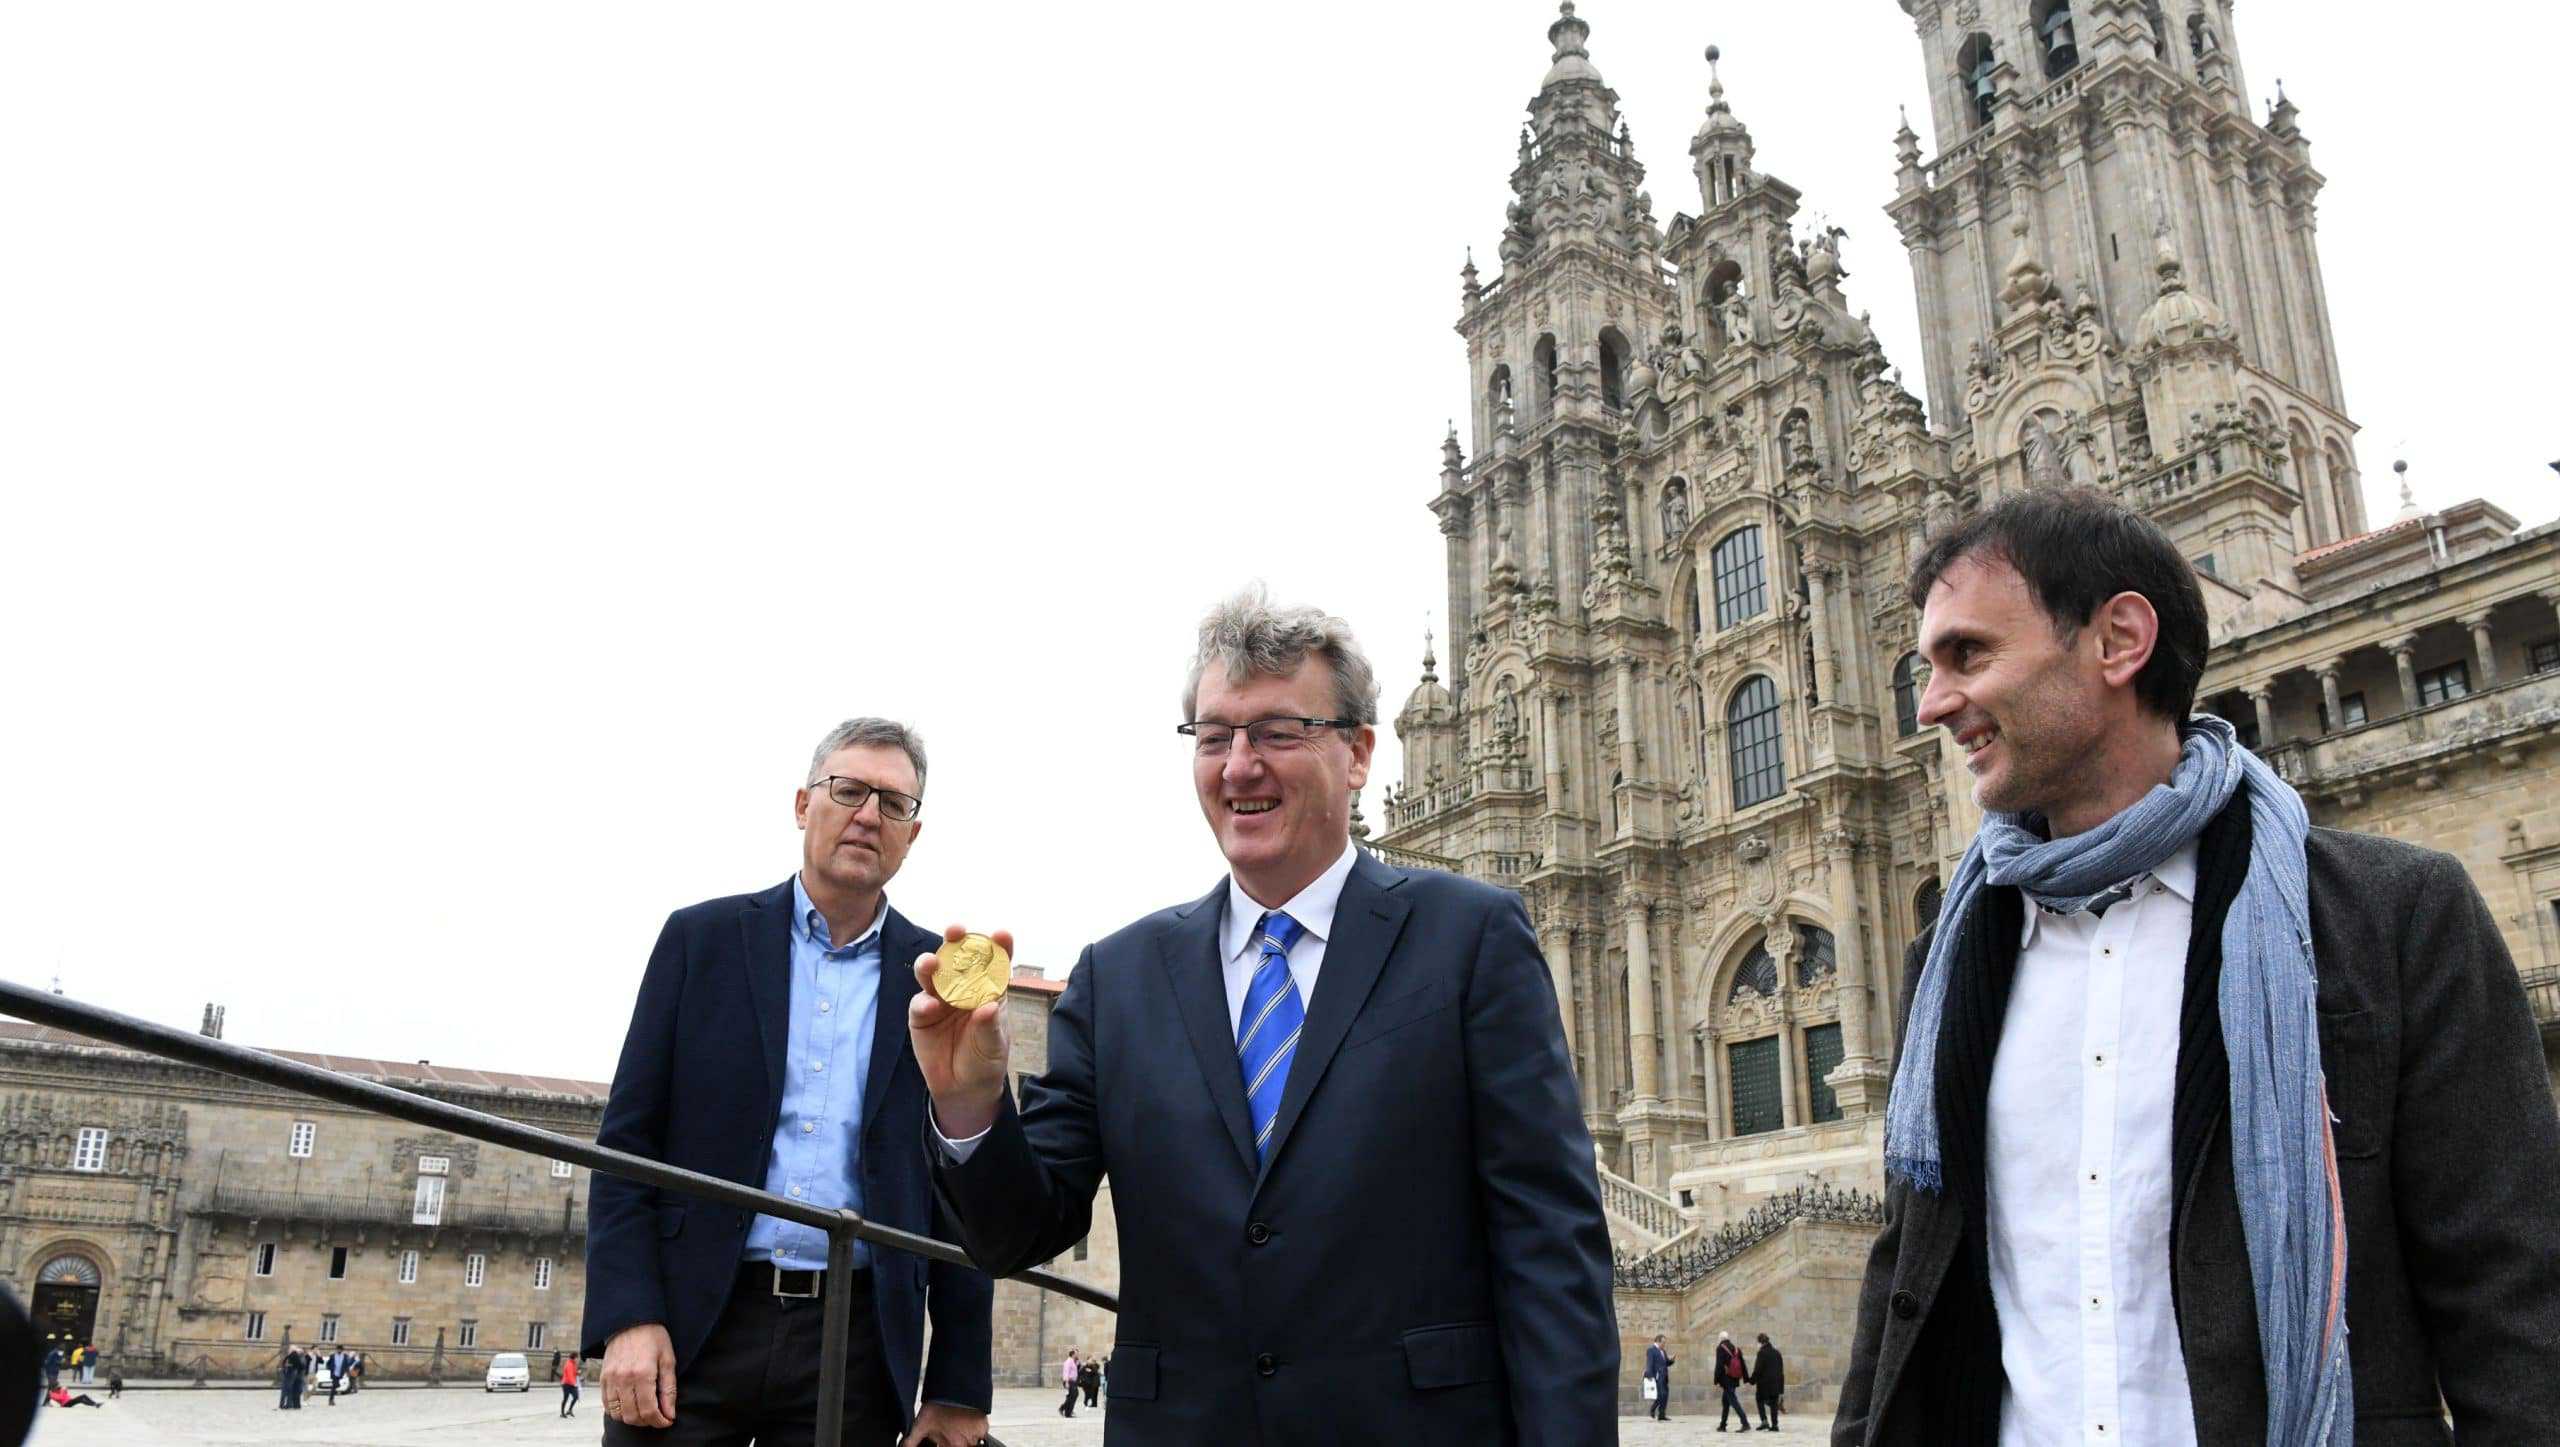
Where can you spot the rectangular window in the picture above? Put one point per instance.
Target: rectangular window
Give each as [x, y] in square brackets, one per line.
[89, 1152]
[533, 1333]
[2350, 705]
[2545, 655]
[475, 1269]
[1756, 1103]
[428, 1208]
[2444, 685]
[408, 1267]
[435, 1165]
[470, 1333]
[399, 1331]
[1821, 1057]
[1742, 587]
[329, 1327]
[542, 1273]
[304, 1132]
[257, 1327]
[265, 1259]
[561, 1170]
[337, 1263]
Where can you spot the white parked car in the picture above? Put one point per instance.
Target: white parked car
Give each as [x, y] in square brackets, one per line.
[508, 1373]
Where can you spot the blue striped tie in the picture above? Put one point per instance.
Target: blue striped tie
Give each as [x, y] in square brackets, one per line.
[1267, 1032]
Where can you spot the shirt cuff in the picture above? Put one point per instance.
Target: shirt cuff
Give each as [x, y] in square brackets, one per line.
[958, 1151]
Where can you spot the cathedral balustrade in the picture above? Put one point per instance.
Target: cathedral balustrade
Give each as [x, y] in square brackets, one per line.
[1401, 858]
[506, 1218]
[2542, 993]
[2421, 742]
[1686, 1261]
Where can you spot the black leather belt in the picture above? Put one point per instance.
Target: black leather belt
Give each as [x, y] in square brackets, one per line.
[791, 1285]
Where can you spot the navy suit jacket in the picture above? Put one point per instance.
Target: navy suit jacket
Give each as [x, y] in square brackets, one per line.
[1423, 1258]
[700, 1086]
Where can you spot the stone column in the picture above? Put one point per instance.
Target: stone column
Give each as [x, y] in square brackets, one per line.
[2329, 694]
[1675, 1071]
[2478, 623]
[1626, 672]
[1782, 953]
[1556, 939]
[2404, 652]
[1551, 747]
[1826, 677]
[2263, 695]
[1644, 1035]
[1859, 1080]
[1711, 1046]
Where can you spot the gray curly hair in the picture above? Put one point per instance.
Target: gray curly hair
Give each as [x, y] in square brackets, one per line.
[1248, 635]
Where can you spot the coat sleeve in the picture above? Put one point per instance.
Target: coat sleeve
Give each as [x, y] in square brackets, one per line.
[2476, 1167]
[1026, 1193]
[623, 1286]
[1858, 1407]
[1536, 1175]
[958, 1365]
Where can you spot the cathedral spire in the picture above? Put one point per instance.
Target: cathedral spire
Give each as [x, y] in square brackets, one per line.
[1571, 36]
[1720, 153]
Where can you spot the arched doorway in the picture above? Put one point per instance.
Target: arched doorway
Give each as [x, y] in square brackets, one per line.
[66, 1300]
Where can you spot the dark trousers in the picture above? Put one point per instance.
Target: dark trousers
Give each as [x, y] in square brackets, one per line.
[756, 1379]
[1769, 1411]
[1662, 1398]
[1733, 1407]
[569, 1399]
[1067, 1408]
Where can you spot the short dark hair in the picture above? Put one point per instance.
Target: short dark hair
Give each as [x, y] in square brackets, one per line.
[2076, 548]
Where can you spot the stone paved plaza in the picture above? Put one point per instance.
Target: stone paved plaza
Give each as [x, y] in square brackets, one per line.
[394, 1417]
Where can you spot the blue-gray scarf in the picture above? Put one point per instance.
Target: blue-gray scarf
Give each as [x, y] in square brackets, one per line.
[2282, 1156]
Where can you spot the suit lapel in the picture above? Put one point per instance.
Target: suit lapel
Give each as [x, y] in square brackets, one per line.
[1197, 973]
[900, 943]
[1365, 926]
[765, 928]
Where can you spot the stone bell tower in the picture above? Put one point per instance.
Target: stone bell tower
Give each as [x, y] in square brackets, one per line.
[2118, 279]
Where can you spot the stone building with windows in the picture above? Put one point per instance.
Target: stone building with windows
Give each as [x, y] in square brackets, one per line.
[185, 1221]
[1680, 713]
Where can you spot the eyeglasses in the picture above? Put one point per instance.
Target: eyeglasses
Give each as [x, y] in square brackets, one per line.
[1268, 735]
[853, 794]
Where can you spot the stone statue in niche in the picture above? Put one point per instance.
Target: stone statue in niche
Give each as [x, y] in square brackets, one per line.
[1795, 439]
[1506, 714]
[1675, 509]
[1938, 513]
[2044, 454]
[1735, 313]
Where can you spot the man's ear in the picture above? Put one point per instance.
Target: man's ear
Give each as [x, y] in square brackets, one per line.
[2126, 630]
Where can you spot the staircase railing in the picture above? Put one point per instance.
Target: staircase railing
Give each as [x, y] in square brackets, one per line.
[1654, 1214]
[1680, 1267]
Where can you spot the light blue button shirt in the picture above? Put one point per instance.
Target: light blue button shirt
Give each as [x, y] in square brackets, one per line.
[817, 1144]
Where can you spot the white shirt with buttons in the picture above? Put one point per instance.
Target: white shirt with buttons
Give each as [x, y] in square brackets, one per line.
[2079, 1172]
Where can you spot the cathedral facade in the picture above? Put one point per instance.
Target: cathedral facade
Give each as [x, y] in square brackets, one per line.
[1679, 716]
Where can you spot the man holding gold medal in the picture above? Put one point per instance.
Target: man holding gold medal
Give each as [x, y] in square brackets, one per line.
[1356, 1200]
[768, 1047]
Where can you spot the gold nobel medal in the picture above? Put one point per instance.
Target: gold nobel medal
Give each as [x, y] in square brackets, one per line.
[971, 972]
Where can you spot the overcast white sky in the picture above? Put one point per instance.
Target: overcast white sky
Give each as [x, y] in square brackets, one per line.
[459, 457]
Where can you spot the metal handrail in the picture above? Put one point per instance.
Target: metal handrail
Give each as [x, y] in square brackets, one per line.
[843, 1227]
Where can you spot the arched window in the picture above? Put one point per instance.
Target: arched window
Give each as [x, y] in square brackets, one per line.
[1816, 955]
[1545, 356]
[1974, 63]
[1742, 585]
[1497, 395]
[1752, 743]
[2054, 34]
[1924, 905]
[1614, 353]
[1906, 694]
[1758, 975]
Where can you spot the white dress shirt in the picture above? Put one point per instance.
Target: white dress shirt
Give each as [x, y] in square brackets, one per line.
[2079, 1174]
[1238, 933]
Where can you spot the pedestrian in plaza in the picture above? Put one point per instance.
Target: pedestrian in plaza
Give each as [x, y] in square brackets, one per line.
[63, 1398]
[115, 1381]
[1261, 1071]
[2208, 1125]
[1769, 1382]
[1073, 1375]
[1091, 1378]
[1658, 1362]
[290, 1375]
[52, 1365]
[569, 1387]
[767, 1046]
[1730, 1374]
[334, 1364]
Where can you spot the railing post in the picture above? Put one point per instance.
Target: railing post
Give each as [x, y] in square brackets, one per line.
[835, 1330]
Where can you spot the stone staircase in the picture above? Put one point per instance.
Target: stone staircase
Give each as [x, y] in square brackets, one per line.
[1640, 1220]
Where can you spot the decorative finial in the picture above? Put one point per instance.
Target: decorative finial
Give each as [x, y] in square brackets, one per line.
[2408, 499]
[1430, 664]
[1715, 80]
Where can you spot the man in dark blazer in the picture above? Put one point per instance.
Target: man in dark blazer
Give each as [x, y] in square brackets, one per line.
[1768, 1381]
[1658, 1362]
[2067, 638]
[708, 1318]
[1356, 1200]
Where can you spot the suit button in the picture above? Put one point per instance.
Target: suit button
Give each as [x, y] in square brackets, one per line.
[1267, 1364]
[1905, 1305]
[1257, 1233]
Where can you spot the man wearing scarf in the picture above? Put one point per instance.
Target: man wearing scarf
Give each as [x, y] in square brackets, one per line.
[2208, 1126]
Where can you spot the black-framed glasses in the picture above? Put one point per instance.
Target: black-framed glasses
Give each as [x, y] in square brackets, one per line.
[1267, 735]
[853, 794]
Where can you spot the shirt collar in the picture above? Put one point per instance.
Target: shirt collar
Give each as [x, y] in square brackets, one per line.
[1312, 908]
[2177, 872]
[808, 924]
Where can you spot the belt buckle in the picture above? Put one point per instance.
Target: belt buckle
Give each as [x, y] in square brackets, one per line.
[817, 1285]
